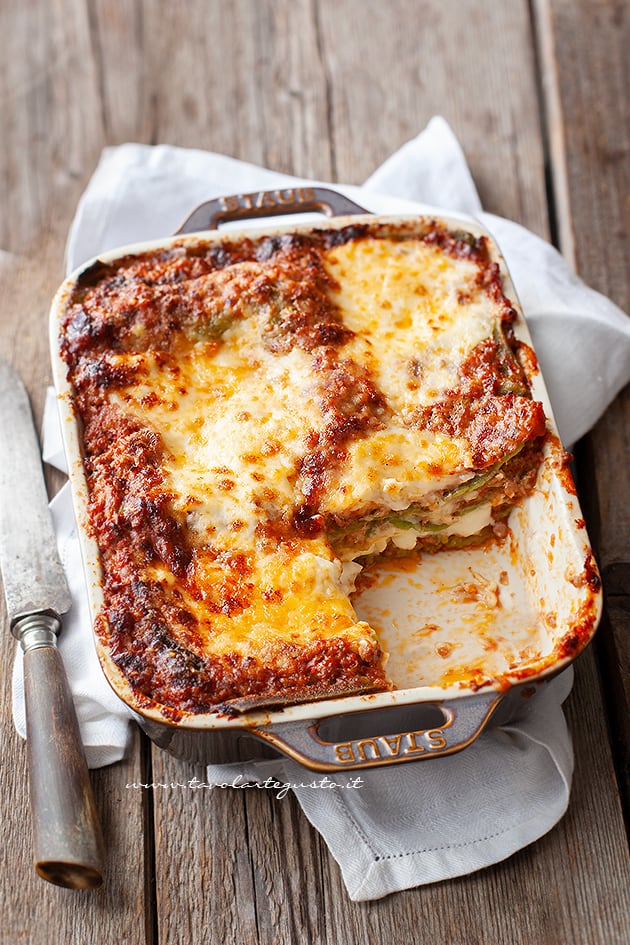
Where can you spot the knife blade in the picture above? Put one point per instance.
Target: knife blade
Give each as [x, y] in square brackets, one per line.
[67, 839]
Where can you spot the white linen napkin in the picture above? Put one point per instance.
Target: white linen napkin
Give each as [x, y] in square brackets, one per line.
[415, 823]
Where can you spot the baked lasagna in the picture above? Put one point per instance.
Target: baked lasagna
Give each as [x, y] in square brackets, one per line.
[262, 417]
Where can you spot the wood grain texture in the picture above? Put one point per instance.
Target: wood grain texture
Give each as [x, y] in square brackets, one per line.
[51, 137]
[593, 121]
[322, 88]
[589, 46]
[35, 911]
[391, 66]
[245, 71]
[615, 657]
[587, 75]
[50, 117]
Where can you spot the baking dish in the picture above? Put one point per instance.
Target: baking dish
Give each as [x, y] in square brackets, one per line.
[463, 629]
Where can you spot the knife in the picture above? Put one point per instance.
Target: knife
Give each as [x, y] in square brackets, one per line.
[67, 840]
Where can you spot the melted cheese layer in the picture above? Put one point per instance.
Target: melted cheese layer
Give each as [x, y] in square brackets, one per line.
[238, 411]
[235, 417]
[284, 402]
[417, 313]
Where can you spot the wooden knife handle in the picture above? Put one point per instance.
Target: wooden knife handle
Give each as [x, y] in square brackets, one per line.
[67, 838]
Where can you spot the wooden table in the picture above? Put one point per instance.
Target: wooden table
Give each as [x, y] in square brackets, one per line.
[537, 93]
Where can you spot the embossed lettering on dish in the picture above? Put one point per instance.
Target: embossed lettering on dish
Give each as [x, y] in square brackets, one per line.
[267, 199]
[391, 746]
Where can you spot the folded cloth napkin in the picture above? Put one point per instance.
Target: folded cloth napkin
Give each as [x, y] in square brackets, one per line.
[417, 823]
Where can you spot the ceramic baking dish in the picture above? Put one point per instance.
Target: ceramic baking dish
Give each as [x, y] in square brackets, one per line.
[467, 631]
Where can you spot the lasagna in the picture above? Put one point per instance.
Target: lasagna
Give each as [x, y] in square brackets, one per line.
[261, 417]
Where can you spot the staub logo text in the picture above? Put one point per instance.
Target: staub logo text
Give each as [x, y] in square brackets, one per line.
[409, 744]
[267, 199]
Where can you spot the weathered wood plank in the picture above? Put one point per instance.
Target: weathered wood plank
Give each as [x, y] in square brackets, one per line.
[50, 118]
[391, 66]
[586, 75]
[241, 73]
[590, 139]
[117, 39]
[50, 140]
[615, 658]
[37, 911]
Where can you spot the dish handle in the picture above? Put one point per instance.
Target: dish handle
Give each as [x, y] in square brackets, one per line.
[319, 745]
[269, 203]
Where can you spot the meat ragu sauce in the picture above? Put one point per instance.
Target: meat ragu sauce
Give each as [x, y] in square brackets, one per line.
[195, 612]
